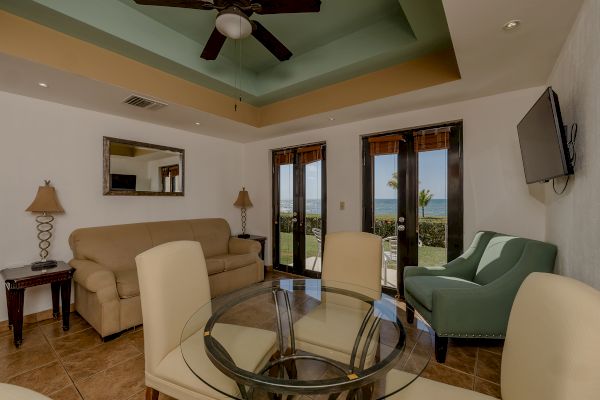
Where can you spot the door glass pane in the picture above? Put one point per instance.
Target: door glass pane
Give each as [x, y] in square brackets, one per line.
[313, 215]
[286, 209]
[433, 207]
[385, 173]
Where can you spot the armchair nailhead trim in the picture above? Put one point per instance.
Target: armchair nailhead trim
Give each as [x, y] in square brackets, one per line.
[484, 335]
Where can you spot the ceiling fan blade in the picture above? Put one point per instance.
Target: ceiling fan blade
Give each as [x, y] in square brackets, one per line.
[199, 4]
[214, 45]
[287, 6]
[272, 44]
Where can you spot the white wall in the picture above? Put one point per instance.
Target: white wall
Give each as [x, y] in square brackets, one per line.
[42, 140]
[573, 219]
[495, 194]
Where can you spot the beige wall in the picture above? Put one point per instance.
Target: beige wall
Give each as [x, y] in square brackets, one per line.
[573, 219]
[495, 194]
[43, 140]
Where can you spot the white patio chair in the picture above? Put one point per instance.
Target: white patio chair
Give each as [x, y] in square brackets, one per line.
[317, 233]
[389, 256]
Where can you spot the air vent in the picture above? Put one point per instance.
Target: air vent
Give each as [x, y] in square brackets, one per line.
[144, 102]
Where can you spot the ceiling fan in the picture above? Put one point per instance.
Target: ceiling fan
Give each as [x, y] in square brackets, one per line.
[233, 20]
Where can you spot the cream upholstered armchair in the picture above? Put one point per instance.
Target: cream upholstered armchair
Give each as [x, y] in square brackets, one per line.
[552, 348]
[13, 392]
[173, 285]
[352, 258]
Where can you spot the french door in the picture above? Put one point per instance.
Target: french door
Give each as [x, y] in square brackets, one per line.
[299, 209]
[412, 197]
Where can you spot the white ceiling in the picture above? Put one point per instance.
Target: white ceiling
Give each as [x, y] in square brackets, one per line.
[490, 61]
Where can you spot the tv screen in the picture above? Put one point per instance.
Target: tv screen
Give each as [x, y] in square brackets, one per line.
[543, 141]
[122, 182]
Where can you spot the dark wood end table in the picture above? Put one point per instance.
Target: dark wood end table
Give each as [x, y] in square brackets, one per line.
[20, 278]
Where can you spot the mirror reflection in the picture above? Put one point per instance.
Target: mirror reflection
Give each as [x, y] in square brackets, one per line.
[133, 168]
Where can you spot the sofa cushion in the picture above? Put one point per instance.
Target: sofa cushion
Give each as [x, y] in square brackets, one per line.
[169, 231]
[127, 283]
[215, 265]
[422, 287]
[235, 261]
[501, 254]
[213, 234]
[114, 247]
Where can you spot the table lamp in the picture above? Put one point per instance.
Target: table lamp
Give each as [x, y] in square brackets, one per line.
[45, 202]
[243, 202]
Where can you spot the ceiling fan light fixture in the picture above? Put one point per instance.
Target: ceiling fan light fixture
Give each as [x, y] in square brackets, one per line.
[233, 23]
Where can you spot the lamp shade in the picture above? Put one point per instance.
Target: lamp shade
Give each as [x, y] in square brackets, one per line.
[45, 200]
[233, 23]
[243, 200]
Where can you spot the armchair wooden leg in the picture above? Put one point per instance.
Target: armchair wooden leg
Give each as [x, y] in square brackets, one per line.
[441, 348]
[410, 313]
[152, 394]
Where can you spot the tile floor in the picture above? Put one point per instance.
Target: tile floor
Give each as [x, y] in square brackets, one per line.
[77, 365]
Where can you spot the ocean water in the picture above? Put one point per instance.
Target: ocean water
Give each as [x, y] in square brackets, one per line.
[435, 208]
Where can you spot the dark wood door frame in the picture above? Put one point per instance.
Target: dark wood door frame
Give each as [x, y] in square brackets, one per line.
[299, 207]
[407, 207]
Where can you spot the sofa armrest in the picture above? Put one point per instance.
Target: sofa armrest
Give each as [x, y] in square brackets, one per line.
[243, 246]
[485, 309]
[95, 278]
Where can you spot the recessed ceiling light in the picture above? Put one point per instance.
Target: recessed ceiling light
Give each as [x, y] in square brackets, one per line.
[512, 24]
[42, 84]
[331, 118]
[197, 123]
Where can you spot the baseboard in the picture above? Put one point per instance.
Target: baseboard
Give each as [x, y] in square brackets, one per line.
[32, 318]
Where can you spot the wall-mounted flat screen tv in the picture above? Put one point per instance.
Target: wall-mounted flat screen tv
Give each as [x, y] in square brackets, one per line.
[122, 182]
[543, 141]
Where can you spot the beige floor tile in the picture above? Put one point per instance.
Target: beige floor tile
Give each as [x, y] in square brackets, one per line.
[54, 329]
[137, 339]
[76, 342]
[68, 393]
[119, 382]
[46, 380]
[25, 360]
[86, 363]
[488, 366]
[486, 387]
[31, 338]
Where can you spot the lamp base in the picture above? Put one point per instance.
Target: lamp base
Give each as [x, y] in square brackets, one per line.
[243, 236]
[40, 265]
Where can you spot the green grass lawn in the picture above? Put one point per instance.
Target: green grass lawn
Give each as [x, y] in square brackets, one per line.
[428, 256]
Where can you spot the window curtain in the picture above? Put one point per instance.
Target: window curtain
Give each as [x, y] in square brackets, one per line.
[310, 154]
[432, 139]
[283, 157]
[389, 144]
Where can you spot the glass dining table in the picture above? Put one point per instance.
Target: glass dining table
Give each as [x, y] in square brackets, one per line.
[313, 337]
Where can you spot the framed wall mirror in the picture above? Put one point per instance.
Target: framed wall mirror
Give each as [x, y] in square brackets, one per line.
[142, 169]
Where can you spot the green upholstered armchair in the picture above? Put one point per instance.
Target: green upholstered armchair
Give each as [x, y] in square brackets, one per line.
[472, 295]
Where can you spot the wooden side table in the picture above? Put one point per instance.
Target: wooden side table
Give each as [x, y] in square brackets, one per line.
[262, 240]
[20, 278]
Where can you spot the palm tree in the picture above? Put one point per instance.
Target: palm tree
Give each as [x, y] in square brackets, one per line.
[425, 197]
[393, 182]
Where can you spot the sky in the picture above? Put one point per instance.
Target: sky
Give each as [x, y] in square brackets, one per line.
[432, 176]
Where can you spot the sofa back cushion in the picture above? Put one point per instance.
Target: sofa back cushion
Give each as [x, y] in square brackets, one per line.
[213, 234]
[500, 255]
[115, 246]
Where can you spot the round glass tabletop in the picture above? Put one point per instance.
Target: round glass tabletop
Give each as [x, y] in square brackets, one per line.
[305, 337]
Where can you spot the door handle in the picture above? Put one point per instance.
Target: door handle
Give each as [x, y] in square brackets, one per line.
[401, 228]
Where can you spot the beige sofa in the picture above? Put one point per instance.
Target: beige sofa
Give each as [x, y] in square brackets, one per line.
[107, 292]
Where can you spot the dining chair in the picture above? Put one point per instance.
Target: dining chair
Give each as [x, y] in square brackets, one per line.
[13, 392]
[552, 347]
[352, 259]
[317, 233]
[390, 256]
[173, 285]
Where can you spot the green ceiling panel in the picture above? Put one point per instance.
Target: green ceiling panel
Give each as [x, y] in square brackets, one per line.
[346, 39]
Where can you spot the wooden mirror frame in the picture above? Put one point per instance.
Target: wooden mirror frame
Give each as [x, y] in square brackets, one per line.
[106, 168]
